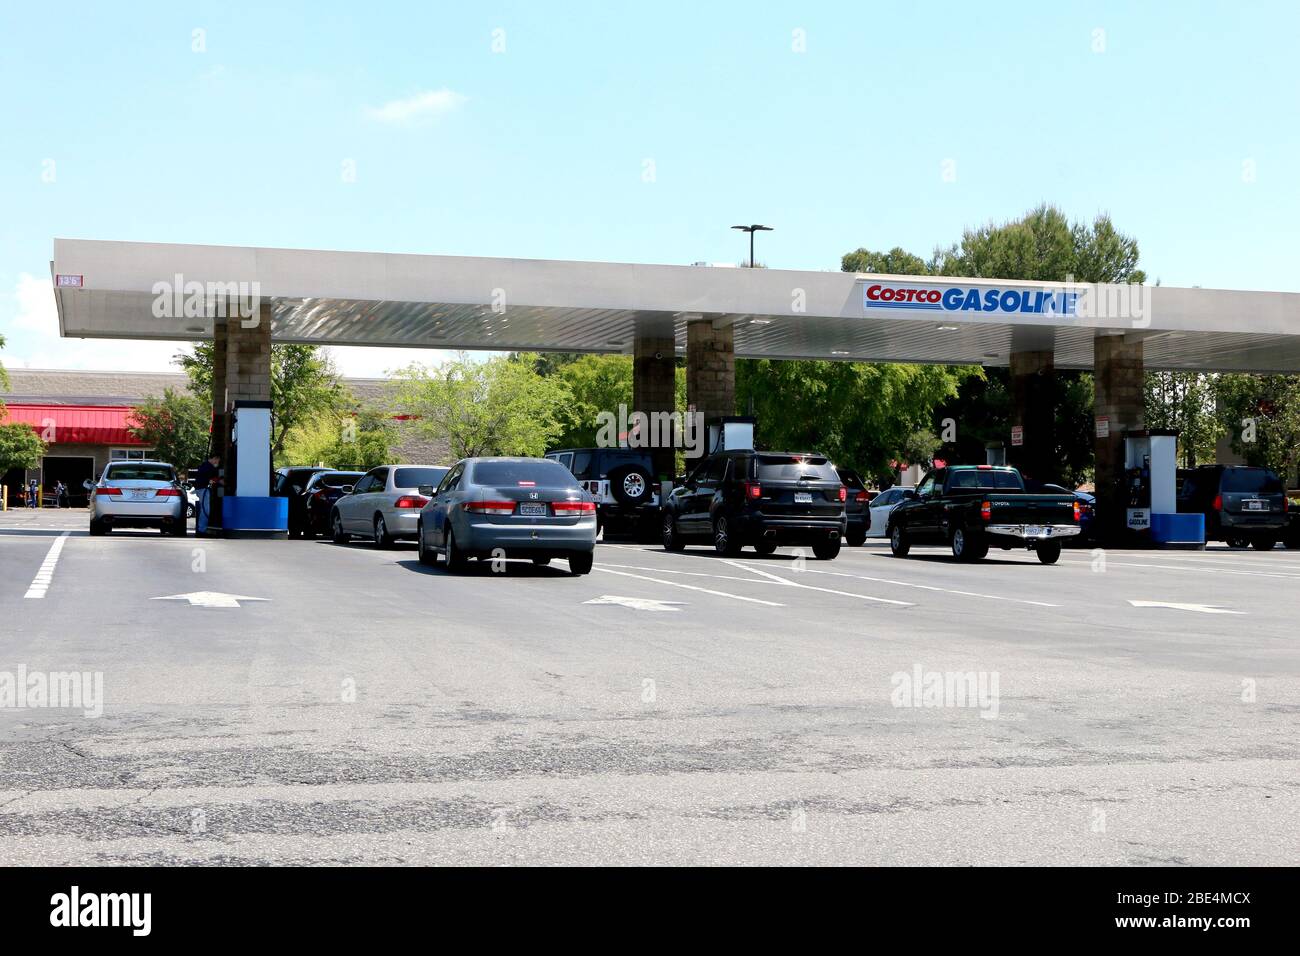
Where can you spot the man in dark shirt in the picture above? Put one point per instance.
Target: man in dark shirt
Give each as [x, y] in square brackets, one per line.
[205, 481]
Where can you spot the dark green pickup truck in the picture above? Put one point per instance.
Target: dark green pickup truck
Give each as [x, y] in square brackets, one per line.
[970, 507]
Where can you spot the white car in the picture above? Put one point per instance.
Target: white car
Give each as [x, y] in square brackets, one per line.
[385, 504]
[881, 506]
[138, 494]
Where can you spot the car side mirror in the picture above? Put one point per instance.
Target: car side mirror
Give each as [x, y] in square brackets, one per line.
[427, 490]
[910, 495]
[346, 489]
[297, 489]
[88, 484]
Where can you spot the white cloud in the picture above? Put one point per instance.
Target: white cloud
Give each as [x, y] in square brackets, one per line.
[421, 106]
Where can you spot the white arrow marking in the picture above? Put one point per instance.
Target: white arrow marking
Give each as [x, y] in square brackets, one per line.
[635, 603]
[210, 599]
[1203, 608]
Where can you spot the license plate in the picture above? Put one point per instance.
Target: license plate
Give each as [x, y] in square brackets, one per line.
[1033, 531]
[533, 509]
[1256, 505]
[803, 497]
[139, 493]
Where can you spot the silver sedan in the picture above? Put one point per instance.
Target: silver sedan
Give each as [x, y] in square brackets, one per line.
[384, 504]
[138, 494]
[510, 508]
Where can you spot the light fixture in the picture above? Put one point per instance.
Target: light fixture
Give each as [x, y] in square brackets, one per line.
[947, 328]
[838, 352]
[760, 321]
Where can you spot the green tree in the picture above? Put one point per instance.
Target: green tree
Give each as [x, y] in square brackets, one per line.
[4, 376]
[1185, 401]
[20, 447]
[501, 406]
[362, 439]
[304, 383]
[1261, 413]
[176, 425]
[865, 416]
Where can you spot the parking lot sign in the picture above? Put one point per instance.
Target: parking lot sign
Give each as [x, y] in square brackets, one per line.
[1017, 435]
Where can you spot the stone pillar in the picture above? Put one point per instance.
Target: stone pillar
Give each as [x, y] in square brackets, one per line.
[710, 369]
[248, 375]
[654, 388]
[1118, 406]
[1033, 408]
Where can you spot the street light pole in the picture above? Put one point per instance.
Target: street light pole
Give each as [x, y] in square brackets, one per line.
[751, 230]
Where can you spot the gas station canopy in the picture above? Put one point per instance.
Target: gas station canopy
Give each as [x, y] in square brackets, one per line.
[159, 291]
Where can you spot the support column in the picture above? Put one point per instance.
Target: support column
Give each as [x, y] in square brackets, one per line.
[710, 369]
[250, 510]
[1118, 406]
[1033, 409]
[654, 388]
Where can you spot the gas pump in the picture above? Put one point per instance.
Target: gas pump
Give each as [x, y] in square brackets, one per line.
[248, 509]
[1151, 492]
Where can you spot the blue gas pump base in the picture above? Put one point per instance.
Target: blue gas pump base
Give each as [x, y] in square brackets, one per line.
[249, 517]
[1170, 531]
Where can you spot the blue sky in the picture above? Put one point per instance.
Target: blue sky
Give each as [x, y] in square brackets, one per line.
[638, 132]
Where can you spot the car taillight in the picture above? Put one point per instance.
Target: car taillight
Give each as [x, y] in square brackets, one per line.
[1076, 511]
[862, 497]
[1218, 502]
[844, 493]
[108, 491]
[986, 510]
[574, 507]
[411, 501]
[167, 493]
[490, 507]
[753, 490]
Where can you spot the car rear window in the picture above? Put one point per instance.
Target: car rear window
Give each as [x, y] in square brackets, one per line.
[141, 473]
[415, 477]
[1258, 481]
[979, 479]
[540, 473]
[793, 467]
[339, 478]
[851, 480]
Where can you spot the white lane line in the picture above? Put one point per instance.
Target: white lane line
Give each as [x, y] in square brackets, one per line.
[1202, 608]
[688, 587]
[1185, 567]
[931, 587]
[45, 576]
[811, 587]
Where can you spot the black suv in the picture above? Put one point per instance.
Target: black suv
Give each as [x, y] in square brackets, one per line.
[623, 483]
[857, 507]
[1242, 504]
[761, 498]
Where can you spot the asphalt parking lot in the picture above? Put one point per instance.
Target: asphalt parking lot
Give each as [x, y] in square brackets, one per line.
[317, 703]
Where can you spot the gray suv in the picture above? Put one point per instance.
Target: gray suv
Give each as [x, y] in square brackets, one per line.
[1242, 504]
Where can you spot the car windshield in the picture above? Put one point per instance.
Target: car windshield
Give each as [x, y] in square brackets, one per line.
[338, 479]
[794, 467]
[539, 473]
[415, 477]
[1258, 481]
[981, 479]
[140, 473]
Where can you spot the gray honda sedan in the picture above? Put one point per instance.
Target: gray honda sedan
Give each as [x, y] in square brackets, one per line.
[512, 508]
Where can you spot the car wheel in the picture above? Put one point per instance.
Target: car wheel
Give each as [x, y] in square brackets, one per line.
[1236, 541]
[580, 562]
[856, 538]
[191, 511]
[765, 547]
[456, 560]
[179, 529]
[966, 547]
[1264, 543]
[724, 542]
[898, 543]
[826, 550]
[96, 527]
[336, 530]
[1049, 552]
[382, 538]
[631, 485]
[541, 562]
[672, 540]
[1292, 541]
[427, 557]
